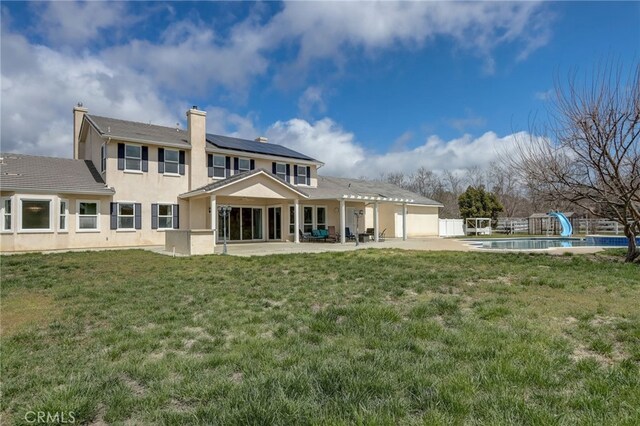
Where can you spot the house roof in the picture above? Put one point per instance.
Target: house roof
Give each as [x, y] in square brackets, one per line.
[236, 178]
[19, 172]
[236, 144]
[338, 188]
[144, 132]
[122, 129]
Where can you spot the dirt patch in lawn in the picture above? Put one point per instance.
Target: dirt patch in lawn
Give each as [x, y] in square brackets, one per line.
[21, 309]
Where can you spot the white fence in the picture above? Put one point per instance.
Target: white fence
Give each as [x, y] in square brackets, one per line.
[451, 228]
[599, 226]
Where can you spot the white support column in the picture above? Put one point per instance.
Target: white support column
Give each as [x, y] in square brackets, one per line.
[343, 214]
[404, 221]
[376, 234]
[296, 221]
[214, 218]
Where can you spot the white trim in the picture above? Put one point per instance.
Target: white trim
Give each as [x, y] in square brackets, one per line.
[97, 228]
[257, 173]
[171, 216]
[132, 158]
[118, 215]
[65, 214]
[177, 162]
[12, 214]
[52, 206]
[248, 169]
[263, 209]
[224, 166]
[284, 172]
[299, 175]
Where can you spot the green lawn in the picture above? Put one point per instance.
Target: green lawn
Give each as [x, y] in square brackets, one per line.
[371, 336]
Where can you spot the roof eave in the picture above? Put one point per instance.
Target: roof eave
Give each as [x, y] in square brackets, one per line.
[105, 192]
[217, 149]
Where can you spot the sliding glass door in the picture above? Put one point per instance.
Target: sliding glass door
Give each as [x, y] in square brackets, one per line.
[243, 224]
[274, 223]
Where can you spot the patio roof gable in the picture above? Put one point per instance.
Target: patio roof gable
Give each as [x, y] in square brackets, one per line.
[257, 183]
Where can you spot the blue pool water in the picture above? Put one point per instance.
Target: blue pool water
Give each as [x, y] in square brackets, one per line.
[546, 243]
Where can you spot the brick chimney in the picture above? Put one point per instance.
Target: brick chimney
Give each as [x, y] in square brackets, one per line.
[197, 133]
[78, 114]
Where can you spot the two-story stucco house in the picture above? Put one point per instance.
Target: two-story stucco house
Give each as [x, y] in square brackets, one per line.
[136, 184]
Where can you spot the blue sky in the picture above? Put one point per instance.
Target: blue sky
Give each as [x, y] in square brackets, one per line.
[367, 88]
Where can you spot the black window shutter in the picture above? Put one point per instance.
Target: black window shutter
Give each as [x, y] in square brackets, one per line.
[289, 173]
[252, 165]
[145, 158]
[114, 215]
[137, 208]
[176, 216]
[295, 174]
[308, 175]
[273, 168]
[120, 156]
[181, 162]
[236, 166]
[227, 162]
[210, 165]
[154, 216]
[160, 160]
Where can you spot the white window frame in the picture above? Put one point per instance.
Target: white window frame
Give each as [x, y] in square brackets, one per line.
[170, 215]
[223, 167]
[304, 181]
[63, 213]
[282, 175]
[118, 216]
[3, 213]
[126, 157]
[240, 169]
[316, 223]
[51, 214]
[78, 216]
[292, 219]
[177, 162]
[103, 158]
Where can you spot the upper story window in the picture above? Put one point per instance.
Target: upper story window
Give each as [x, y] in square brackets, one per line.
[103, 158]
[281, 171]
[219, 166]
[171, 161]
[301, 177]
[133, 157]
[244, 165]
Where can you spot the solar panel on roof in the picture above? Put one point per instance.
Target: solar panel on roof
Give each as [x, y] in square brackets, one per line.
[255, 147]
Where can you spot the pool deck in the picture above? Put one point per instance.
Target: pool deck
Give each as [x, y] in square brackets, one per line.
[422, 244]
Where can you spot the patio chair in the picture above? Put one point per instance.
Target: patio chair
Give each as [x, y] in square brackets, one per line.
[319, 235]
[332, 237]
[381, 235]
[348, 235]
[304, 236]
[371, 233]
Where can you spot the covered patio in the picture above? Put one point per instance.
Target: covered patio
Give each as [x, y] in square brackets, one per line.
[263, 208]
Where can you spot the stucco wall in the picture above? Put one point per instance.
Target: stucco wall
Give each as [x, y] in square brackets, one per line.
[422, 221]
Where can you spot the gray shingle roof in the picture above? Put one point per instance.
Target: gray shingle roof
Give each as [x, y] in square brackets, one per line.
[237, 144]
[19, 172]
[335, 188]
[139, 131]
[220, 183]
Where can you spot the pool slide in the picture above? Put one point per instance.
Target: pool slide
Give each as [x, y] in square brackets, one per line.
[567, 229]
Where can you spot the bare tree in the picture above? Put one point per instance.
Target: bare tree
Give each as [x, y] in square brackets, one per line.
[588, 153]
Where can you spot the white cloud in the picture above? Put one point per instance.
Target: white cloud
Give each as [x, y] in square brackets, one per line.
[312, 99]
[222, 122]
[77, 23]
[471, 120]
[343, 155]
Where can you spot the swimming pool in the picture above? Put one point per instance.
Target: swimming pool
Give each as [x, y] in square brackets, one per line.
[529, 243]
[541, 243]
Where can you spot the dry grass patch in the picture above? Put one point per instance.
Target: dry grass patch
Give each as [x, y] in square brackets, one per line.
[21, 309]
